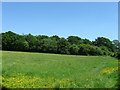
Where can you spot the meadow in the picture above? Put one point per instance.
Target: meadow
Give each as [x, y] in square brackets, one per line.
[43, 70]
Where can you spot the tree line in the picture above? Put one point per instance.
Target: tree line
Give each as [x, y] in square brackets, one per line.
[73, 45]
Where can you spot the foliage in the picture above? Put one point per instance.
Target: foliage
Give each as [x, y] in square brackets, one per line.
[49, 45]
[86, 49]
[55, 37]
[63, 46]
[74, 40]
[105, 50]
[86, 41]
[74, 49]
[12, 41]
[118, 54]
[72, 45]
[116, 43]
[101, 41]
[96, 51]
[32, 41]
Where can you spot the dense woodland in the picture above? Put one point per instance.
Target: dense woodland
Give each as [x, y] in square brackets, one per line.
[73, 45]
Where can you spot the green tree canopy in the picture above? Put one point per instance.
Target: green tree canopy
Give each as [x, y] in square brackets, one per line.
[74, 40]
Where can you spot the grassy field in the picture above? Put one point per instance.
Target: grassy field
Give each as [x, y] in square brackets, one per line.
[40, 70]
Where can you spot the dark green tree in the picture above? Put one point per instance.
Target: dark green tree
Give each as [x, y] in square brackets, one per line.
[86, 41]
[116, 43]
[39, 37]
[32, 41]
[75, 40]
[84, 49]
[63, 46]
[55, 37]
[54, 44]
[49, 45]
[105, 50]
[101, 41]
[12, 41]
[74, 49]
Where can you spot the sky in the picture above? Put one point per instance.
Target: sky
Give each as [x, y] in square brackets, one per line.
[84, 19]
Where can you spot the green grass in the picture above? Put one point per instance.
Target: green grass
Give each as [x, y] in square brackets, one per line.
[41, 70]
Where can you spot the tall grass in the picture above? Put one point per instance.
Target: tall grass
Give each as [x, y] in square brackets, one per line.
[39, 70]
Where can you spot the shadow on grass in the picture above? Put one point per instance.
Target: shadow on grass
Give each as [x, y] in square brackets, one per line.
[4, 88]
